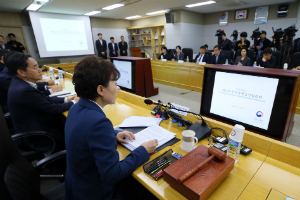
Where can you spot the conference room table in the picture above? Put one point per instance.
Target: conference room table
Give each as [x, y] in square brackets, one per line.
[271, 171]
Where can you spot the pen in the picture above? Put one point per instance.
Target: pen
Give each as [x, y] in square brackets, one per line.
[159, 167]
[159, 173]
[157, 164]
[158, 177]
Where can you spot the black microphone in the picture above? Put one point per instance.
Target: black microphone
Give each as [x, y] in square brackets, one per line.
[150, 102]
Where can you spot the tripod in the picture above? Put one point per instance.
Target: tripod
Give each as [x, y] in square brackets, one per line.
[286, 50]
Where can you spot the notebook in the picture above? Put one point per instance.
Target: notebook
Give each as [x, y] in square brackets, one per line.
[136, 121]
[63, 92]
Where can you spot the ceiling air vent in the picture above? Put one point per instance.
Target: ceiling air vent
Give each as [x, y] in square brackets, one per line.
[232, 3]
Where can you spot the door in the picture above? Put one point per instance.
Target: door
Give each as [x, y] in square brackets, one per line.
[5, 30]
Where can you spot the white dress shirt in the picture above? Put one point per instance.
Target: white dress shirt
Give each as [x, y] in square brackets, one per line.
[201, 57]
[100, 42]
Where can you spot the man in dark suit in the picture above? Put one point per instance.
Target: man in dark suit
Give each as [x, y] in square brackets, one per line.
[123, 47]
[30, 109]
[3, 45]
[16, 46]
[113, 48]
[101, 47]
[262, 43]
[218, 57]
[202, 56]
[227, 44]
[2, 53]
[267, 60]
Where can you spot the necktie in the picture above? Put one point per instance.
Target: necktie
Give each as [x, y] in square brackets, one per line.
[217, 59]
[199, 58]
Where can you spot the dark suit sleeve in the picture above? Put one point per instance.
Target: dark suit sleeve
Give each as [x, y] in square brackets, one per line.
[248, 63]
[267, 43]
[237, 60]
[41, 85]
[21, 46]
[197, 56]
[222, 59]
[272, 63]
[110, 47]
[97, 46]
[46, 92]
[36, 101]
[104, 45]
[110, 168]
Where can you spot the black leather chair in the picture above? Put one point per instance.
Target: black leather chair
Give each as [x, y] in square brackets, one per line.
[228, 55]
[294, 61]
[188, 52]
[19, 178]
[277, 55]
[171, 53]
[250, 54]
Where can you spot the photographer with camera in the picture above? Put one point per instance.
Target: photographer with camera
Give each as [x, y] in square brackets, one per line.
[227, 44]
[262, 44]
[267, 60]
[243, 42]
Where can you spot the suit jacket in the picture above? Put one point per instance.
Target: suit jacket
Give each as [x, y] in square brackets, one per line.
[2, 66]
[221, 59]
[100, 48]
[31, 110]
[123, 48]
[227, 45]
[111, 50]
[167, 56]
[19, 47]
[41, 87]
[180, 57]
[6, 46]
[271, 63]
[266, 43]
[245, 62]
[93, 166]
[238, 44]
[5, 79]
[206, 58]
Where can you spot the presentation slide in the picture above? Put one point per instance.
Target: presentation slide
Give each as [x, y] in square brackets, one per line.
[59, 35]
[244, 98]
[125, 70]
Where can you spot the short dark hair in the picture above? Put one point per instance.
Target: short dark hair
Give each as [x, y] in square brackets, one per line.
[224, 34]
[99, 34]
[267, 50]
[121, 36]
[179, 47]
[263, 32]
[206, 45]
[164, 48]
[3, 52]
[112, 38]
[11, 34]
[217, 46]
[1, 36]
[6, 56]
[17, 61]
[245, 49]
[243, 34]
[203, 47]
[91, 72]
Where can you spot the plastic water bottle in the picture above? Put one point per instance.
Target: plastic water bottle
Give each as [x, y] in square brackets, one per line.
[51, 72]
[161, 57]
[285, 66]
[235, 141]
[60, 76]
[187, 59]
[254, 65]
[226, 62]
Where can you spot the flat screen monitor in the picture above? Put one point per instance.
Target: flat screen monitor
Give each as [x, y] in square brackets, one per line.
[257, 101]
[127, 72]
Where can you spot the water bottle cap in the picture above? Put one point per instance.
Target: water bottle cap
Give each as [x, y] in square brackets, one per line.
[237, 133]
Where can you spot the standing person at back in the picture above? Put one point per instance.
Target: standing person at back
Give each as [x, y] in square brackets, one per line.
[123, 47]
[16, 46]
[218, 57]
[3, 45]
[262, 43]
[227, 44]
[113, 48]
[101, 47]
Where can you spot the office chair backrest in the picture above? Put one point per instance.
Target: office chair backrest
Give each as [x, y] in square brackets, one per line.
[250, 54]
[171, 53]
[228, 55]
[19, 179]
[188, 52]
[277, 54]
[295, 58]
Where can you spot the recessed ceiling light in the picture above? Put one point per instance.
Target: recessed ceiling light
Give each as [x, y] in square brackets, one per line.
[132, 17]
[156, 12]
[33, 7]
[43, 0]
[113, 6]
[200, 4]
[92, 13]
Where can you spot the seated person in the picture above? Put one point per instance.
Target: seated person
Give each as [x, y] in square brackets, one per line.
[218, 57]
[164, 54]
[227, 44]
[94, 169]
[178, 55]
[5, 80]
[243, 60]
[202, 57]
[296, 68]
[295, 63]
[267, 60]
[30, 109]
[3, 45]
[2, 53]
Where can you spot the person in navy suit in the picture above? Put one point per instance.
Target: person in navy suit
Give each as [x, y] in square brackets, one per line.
[3, 45]
[123, 46]
[227, 44]
[113, 48]
[2, 54]
[202, 56]
[30, 109]
[94, 170]
[218, 57]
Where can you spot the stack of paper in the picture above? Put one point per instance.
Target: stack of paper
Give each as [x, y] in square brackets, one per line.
[136, 121]
[54, 94]
[150, 133]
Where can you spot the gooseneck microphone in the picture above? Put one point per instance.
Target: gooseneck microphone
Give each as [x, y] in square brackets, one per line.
[150, 102]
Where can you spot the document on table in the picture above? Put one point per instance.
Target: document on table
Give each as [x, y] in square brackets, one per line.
[46, 77]
[59, 93]
[136, 121]
[66, 95]
[150, 133]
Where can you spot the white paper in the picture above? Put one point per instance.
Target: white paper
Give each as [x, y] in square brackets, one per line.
[59, 93]
[164, 60]
[66, 95]
[180, 61]
[46, 77]
[202, 63]
[180, 108]
[150, 133]
[136, 121]
[245, 98]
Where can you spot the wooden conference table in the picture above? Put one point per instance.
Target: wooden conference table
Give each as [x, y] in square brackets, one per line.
[271, 171]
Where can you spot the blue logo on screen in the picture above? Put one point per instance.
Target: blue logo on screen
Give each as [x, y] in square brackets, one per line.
[259, 114]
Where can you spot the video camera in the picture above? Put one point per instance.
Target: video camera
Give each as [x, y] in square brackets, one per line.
[277, 34]
[219, 33]
[290, 32]
[234, 35]
[256, 33]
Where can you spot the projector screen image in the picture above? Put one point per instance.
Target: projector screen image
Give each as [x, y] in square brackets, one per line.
[125, 69]
[62, 35]
[244, 98]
